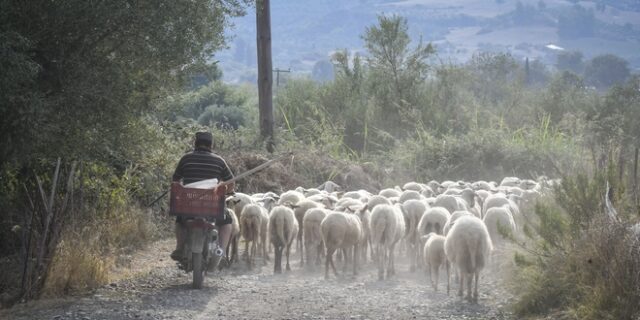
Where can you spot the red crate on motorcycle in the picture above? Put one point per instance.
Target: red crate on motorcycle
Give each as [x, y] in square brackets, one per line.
[191, 202]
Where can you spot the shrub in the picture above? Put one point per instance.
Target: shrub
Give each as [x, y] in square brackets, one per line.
[579, 263]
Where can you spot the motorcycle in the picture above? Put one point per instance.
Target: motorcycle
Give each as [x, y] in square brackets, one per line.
[200, 252]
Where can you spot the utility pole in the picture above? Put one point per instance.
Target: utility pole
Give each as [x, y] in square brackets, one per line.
[277, 71]
[265, 75]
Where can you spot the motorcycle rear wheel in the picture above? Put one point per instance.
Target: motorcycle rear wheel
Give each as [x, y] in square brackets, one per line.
[198, 270]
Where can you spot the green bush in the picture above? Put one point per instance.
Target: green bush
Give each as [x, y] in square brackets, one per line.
[580, 264]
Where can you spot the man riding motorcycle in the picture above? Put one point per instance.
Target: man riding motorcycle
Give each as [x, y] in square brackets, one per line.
[202, 164]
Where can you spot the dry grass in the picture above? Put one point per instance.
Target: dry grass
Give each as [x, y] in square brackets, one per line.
[89, 251]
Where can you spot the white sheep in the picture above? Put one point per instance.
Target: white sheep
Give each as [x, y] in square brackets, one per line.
[450, 202]
[312, 234]
[341, 231]
[409, 195]
[499, 217]
[452, 219]
[232, 247]
[387, 228]
[510, 182]
[283, 228]
[390, 193]
[433, 220]
[311, 192]
[300, 209]
[254, 224]
[377, 200]
[413, 210]
[499, 200]
[413, 186]
[434, 257]
[327, 200]
[468, 247]
[237, 202]
[290, 198]
[330, 186]
[344, 203]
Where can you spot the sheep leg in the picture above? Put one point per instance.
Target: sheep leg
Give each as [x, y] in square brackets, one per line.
[301, 248]
[347, 255]
[436, 269]
[469, 286]
[427, 272]
[254, 249]
[319, 250]
[288, 251]
[246, 250]
[327, 262]
[380, 262]
[235, 248]
[265, 255]
[461, 288]
[448, 276]
[307, 244]
[391, 269]
[355, 260]
[333, 266]
[277, 267]
[412, 253]
[475, 293]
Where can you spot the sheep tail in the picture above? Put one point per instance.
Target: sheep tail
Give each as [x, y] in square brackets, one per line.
[280, 230]
[378, 229]
[473, 252]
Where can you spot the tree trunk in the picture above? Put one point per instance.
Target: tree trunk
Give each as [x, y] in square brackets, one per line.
[265, 76]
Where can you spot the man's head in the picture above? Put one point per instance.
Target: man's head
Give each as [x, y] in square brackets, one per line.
[203, 140]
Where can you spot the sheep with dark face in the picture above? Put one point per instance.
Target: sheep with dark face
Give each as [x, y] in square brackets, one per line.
[468, 247]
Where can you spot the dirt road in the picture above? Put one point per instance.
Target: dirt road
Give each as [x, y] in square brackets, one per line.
[161, 291]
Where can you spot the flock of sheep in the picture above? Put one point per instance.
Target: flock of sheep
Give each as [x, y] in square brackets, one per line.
[449, 224]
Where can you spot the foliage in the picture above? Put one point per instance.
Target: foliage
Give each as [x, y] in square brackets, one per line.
[396, 69]
[604, 71]
[96, 65]
[580, 264]
[570, 61]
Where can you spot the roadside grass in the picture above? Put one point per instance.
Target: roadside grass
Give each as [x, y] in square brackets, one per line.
[89, 250]
[577, 263]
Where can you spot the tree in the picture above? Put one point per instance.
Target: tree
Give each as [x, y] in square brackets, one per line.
[397, 69]
[86, 69]
[570, 61]
[322, 71]
[603, 71]
[493, 73]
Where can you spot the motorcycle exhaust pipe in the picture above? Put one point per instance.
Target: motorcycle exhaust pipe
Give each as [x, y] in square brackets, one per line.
[218, 252]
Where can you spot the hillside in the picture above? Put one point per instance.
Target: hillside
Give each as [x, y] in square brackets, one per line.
[305, 32]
